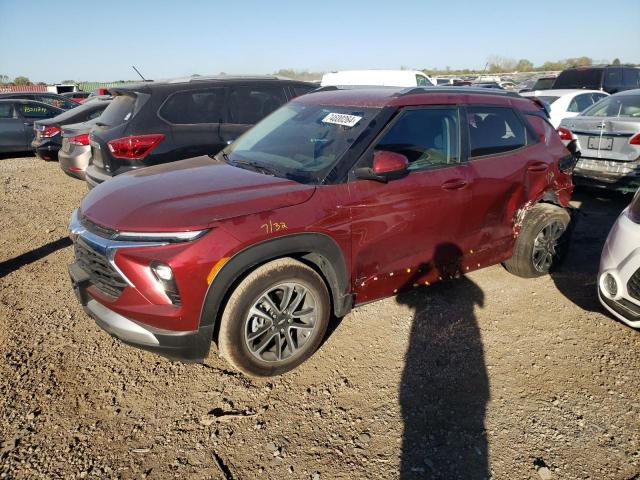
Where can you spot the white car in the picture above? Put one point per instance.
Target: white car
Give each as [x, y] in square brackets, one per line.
[387, 78]
[619, 275]
[566, 103]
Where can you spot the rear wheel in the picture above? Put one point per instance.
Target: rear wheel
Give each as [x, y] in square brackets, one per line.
[542, 242]
[275, 318]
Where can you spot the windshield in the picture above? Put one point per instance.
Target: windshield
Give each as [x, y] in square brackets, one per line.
[615, 106]
[300, 141]
[543, 83]
[580, 78]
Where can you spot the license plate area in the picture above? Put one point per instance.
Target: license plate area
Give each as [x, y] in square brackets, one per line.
[600, 143]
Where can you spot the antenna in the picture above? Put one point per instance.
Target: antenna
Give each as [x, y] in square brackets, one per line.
[143, 79]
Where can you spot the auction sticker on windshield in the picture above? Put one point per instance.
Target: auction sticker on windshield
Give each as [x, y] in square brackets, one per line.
[342, 119]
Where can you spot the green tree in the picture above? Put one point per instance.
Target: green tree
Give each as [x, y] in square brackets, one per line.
[4, 79]
[616, 61]
[21, 81]
[524, 65]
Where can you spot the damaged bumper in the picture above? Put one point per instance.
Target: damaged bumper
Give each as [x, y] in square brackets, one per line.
[610, 174]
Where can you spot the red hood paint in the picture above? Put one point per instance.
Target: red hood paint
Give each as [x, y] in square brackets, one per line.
[187, 195]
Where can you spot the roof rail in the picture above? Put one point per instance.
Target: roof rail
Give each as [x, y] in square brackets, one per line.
[474, 90]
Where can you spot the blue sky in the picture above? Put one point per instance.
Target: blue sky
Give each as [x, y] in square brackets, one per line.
[100, 40]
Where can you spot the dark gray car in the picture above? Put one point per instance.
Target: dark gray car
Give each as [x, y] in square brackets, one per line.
[16, 123]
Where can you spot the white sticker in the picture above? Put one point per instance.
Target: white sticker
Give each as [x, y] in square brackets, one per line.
[127, 116]
[342, 119]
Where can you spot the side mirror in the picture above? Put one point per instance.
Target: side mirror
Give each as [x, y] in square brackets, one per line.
[386, 166]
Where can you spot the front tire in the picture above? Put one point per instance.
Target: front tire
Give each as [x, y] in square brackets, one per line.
[542, 242]
[275, 318]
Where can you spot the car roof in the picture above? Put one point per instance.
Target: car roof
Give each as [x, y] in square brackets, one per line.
[635, 91]
[559, 92]
[197, 81]
[23, 100]
[379, 97]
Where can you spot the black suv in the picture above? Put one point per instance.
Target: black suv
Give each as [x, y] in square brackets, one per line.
[609, 78]
[160, 122]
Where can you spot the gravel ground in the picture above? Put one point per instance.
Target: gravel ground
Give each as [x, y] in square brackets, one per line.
[488, 376]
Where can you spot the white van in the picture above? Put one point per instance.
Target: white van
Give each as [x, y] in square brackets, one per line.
[387, 78]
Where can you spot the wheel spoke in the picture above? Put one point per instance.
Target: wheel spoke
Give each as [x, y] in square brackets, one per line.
[266, 340]
[292, 346]
[298, 300]
[261, 331]
[259, 313]
[287, 293]
[267, 299]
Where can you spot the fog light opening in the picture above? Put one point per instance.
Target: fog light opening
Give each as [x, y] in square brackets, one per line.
[164, 275]
[610, 284]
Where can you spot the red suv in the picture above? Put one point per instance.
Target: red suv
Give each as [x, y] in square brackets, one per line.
[338, 198]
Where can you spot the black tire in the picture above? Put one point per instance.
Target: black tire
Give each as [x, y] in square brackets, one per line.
[542, 216]
[237, 325]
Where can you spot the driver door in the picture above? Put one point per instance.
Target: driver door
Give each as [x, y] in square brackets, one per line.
[411, 230]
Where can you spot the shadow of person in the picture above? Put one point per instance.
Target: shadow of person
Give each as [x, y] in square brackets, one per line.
[444, 388]
[596, 212]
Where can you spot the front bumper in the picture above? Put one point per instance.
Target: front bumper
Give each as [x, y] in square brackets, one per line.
[184, 346]
[621, 259]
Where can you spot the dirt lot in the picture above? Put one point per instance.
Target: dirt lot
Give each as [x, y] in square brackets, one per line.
[487, 376]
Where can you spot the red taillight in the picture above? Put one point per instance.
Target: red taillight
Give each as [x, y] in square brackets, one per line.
[80, 139]
[49, 132]
[565, 134]
[635, 140]
[134, 147]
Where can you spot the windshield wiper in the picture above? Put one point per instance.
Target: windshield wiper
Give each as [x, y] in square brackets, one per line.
[258, 167]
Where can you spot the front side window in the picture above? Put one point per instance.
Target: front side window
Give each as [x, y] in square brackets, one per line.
[249, 105]
[6, 110]
[195, 106]
[615, 106]
[302, 90]
[300, 141]
[59, 102]
[421, 81]
[428, 137]
[613, 77]
[494, 130]
[631, 77]
[36, 110]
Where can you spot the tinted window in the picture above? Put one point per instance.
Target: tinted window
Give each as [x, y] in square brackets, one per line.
[37, 110]
[580, 78]
[195, 106]
[613, 77]
[119, 110]
[494, 130]
[631, 77]
[301, 90]
[427, 137]
[249, 105]
[6, 110]
[543, 84]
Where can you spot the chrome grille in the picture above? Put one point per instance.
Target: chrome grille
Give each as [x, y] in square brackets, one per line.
[97, 229]
[101, 273]
[633, 286]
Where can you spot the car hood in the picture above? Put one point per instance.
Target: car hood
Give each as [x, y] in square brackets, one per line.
[187, 195]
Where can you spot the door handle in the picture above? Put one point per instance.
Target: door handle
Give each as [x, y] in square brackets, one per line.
[455, 184]
[538, 167]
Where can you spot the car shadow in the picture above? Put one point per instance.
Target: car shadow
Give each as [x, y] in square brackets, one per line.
[13, 264]
[4, 156]
[595, 214]
[445, 387]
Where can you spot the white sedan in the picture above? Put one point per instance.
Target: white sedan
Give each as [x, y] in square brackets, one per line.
[566, 103]
[619, 275]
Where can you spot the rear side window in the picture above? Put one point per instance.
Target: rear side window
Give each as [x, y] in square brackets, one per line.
[60, 102]
[6, 110]
[494, 130]
[428, 137]
[613, 77]
[195, 106]
[119, 110]
[249, 105]
[36, 110]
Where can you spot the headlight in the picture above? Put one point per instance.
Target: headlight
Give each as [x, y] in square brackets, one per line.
[164, 276]
[610, 285]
